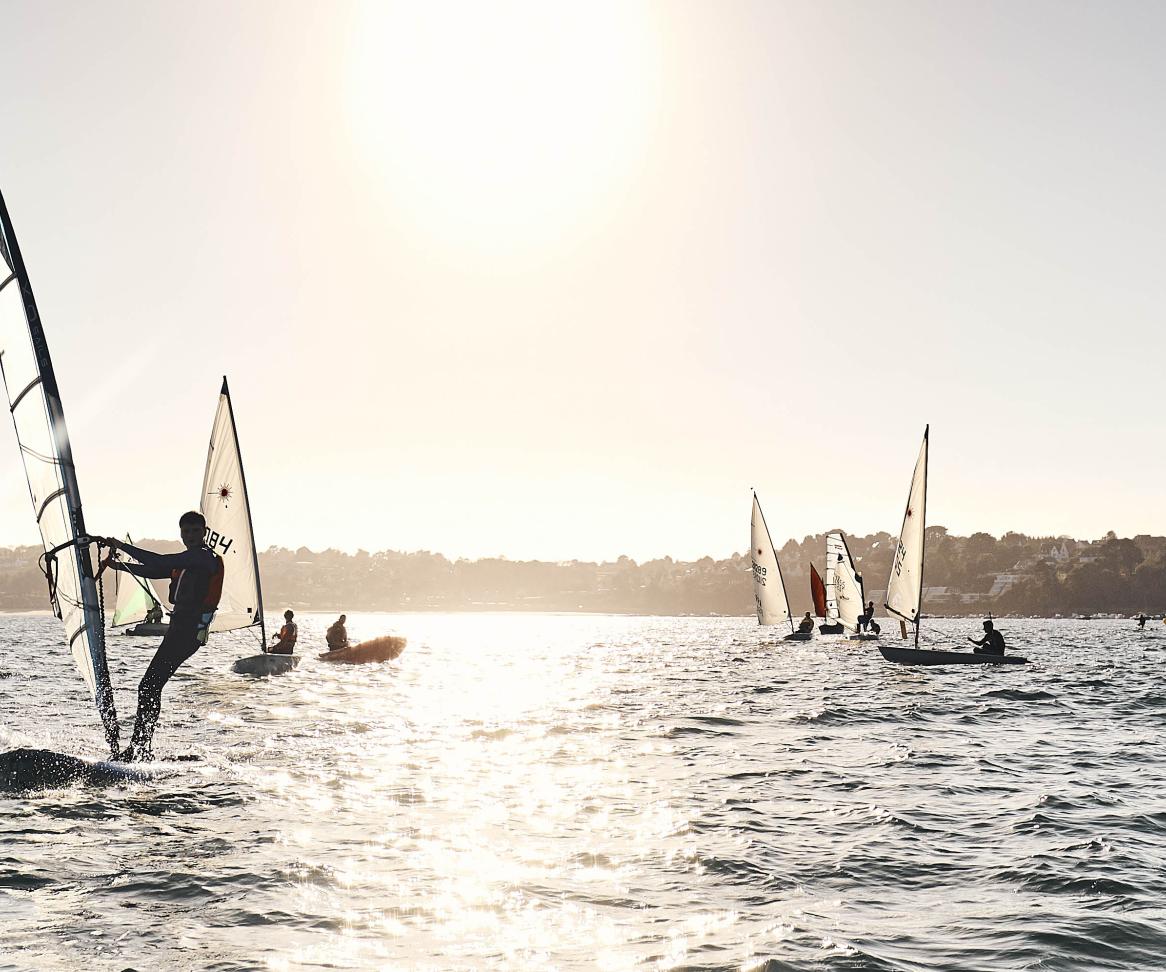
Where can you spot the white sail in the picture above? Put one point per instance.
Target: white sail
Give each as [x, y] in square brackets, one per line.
[228, 518]
[38, 416]
[831, 584]
[768, 587]
[131, 599]
[843, 586]
[905, 586]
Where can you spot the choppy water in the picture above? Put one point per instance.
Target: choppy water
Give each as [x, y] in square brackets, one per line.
[566, 792]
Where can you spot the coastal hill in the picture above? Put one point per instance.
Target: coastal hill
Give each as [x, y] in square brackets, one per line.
[1012, 574]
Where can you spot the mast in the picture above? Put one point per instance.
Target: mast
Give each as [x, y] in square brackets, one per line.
[69, 537]
[923, 551]
[250, 526]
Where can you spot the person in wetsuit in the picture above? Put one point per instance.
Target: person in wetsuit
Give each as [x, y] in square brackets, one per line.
[196, 583]
[1141, 621]
[991, 644]
[287, 636]
[337, 636]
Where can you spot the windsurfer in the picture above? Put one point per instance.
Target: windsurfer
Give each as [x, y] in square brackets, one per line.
[992, 643]
[337, 636]
[196, 582]
[287, 636]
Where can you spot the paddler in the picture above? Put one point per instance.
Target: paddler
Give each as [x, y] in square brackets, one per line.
[991, 644]
[287, 635]
[337, 636]
[196, 583]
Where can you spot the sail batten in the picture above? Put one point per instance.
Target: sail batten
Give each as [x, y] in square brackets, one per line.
[41, 434]
[768, 585]
[905, 585]
[227, 509]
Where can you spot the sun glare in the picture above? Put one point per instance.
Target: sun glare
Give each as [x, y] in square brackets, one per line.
[500, 125]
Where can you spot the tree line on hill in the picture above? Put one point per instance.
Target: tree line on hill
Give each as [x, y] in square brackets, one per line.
[1012, 574]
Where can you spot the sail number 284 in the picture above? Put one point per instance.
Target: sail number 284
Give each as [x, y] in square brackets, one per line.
[217, 542]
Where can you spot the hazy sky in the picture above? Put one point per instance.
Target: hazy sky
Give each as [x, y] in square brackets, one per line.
[566, 281]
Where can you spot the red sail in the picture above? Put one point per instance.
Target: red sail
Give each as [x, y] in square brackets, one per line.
[818, 592]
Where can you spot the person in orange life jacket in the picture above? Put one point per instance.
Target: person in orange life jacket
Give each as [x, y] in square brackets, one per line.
[196, 584]
[287, 636]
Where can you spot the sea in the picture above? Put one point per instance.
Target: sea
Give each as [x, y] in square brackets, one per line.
[560, 792]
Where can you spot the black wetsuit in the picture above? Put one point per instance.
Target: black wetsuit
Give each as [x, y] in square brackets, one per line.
[192, 574]
[991, 644]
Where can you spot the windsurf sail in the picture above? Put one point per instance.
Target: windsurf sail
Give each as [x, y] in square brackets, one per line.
[39, 419]
[228, 525]
[132, 599]
[905, 586]
[768, 586]
[818, 591]
[844, 591]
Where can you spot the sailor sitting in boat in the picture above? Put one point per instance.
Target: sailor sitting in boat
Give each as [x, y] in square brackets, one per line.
[154, 615]
[806, 624]
[287, 636]
[866, 620]
[991, 644]
[337, 636]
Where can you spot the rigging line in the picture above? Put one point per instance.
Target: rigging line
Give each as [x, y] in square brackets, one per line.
[7, 280]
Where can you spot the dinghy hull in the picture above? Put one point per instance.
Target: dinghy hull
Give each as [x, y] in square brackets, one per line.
[367, 652]
[266, 664]
[830, 629]
[923, 656]
[145, 630]
[799, 636]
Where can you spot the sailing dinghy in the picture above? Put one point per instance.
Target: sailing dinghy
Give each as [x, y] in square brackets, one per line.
[229, 534]
[844, 590]
[133, 600]
[34, 401]
[768, 586]
[905, 586]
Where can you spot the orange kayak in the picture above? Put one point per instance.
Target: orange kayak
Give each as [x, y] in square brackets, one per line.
[373, 650]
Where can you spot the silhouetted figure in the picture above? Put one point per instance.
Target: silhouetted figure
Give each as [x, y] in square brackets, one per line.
[992, 643]
[807, 624]
[337, 636]
[154, 615]
[287, 635]
[866, 620]
[196, 584]
[1141, 620]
